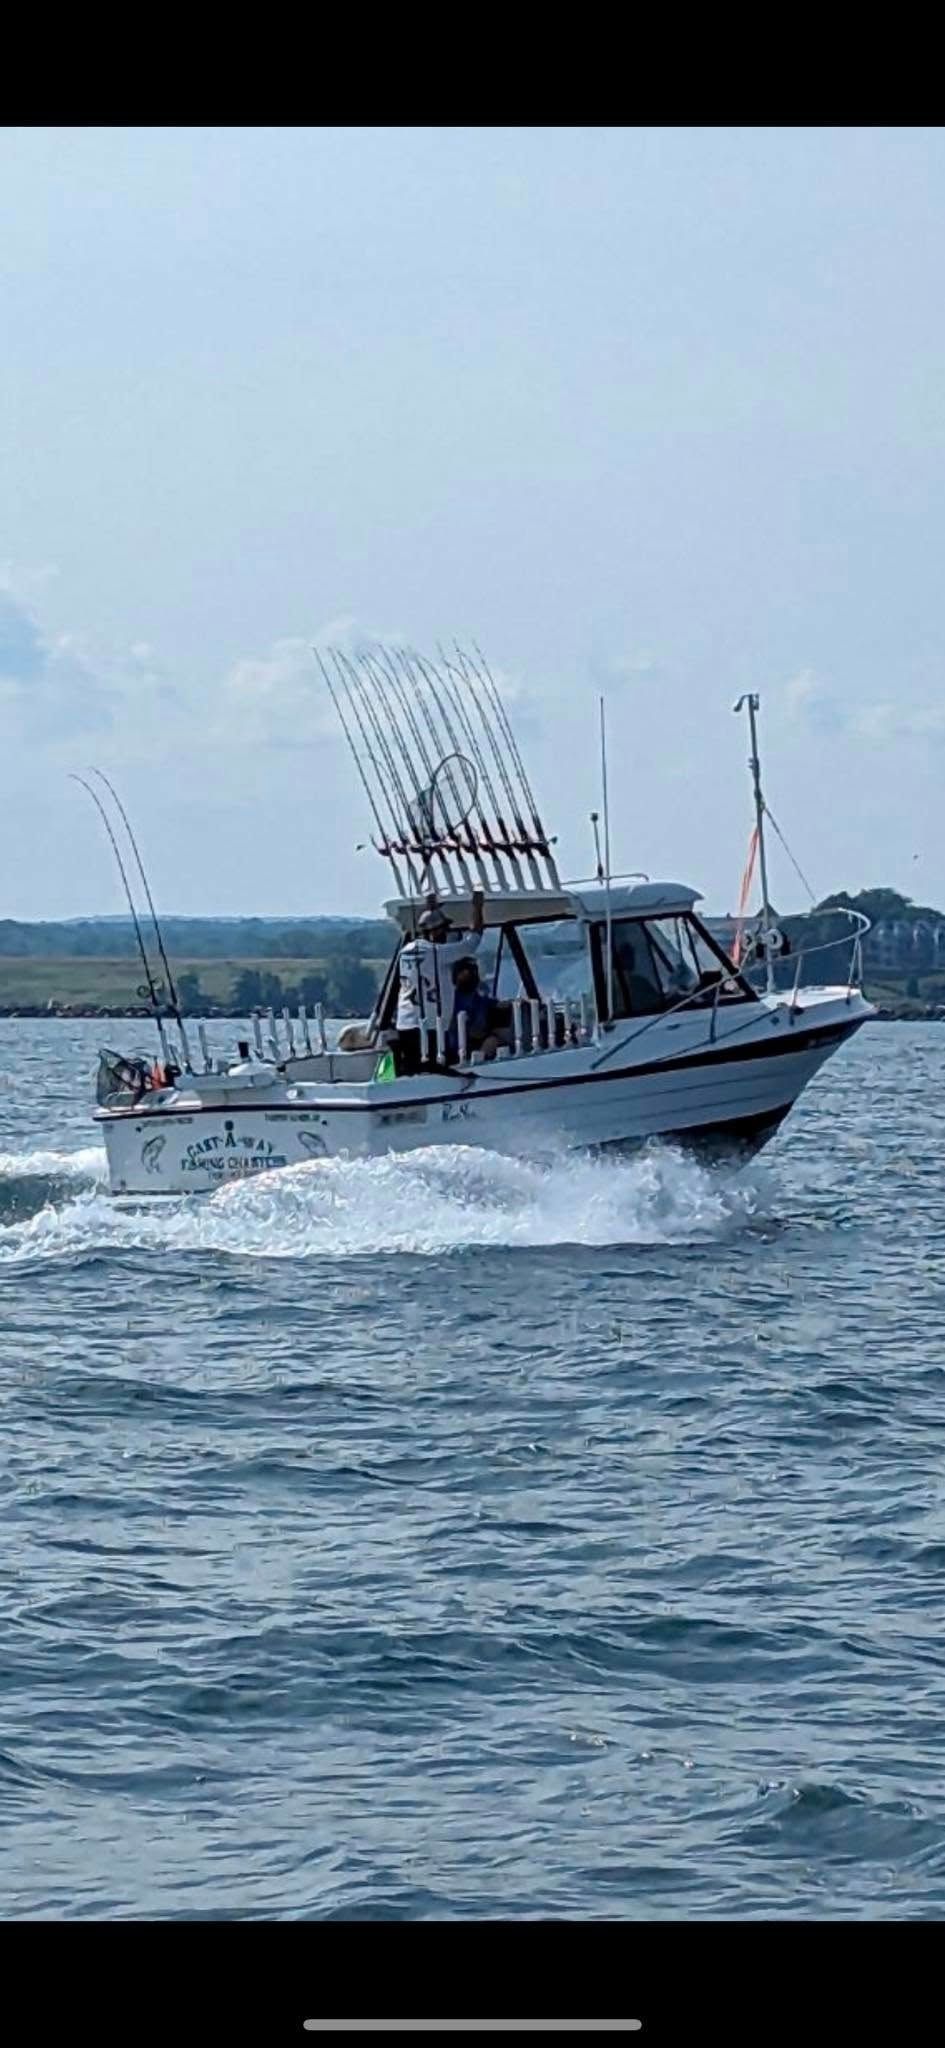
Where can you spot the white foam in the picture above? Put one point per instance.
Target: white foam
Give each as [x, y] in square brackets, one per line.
[431, 1201]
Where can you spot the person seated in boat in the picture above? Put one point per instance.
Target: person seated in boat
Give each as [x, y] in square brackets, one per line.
[426, 970]
[637, 992]
[164, 1074]
[471, 1001]
[681, 980]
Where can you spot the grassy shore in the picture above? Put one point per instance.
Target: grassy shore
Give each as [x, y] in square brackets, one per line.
[90, 984]
[72, 983]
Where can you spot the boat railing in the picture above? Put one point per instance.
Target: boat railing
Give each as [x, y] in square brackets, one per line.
[695, 999]
[803, 954]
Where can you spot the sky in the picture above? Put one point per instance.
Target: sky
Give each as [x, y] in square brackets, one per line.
[654, 413]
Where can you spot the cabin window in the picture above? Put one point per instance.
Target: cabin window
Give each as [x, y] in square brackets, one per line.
[691, 963]
[680, 964]
[637, 991]
[556, 952]
[501, 964]
[663, 963]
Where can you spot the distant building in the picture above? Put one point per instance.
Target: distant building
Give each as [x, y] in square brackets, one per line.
[902, 945]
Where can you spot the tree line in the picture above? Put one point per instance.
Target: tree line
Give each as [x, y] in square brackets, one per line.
[203, 938]
[346, 989]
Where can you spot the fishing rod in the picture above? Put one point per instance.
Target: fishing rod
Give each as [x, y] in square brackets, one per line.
[359, 696]
[476, 689]
[453, 684]
[336, 698]
[171, 990]
[152, 987]
[505, 723]
[381, 673]
[434, 686]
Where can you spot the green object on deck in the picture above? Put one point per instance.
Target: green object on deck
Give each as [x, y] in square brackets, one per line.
[385, 1069]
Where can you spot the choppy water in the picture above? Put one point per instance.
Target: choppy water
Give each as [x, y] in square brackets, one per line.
[447, 1537]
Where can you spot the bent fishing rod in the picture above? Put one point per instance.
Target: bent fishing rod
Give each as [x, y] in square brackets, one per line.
[174, 999]
[152, 991]
[171, 990]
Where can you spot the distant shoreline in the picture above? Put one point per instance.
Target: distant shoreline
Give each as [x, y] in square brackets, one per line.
[66, 1013]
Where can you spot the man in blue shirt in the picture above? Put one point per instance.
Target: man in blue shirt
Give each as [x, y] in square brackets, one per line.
[470, 1000]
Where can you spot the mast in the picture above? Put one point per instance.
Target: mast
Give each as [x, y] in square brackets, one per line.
[605, 807]
[753, 701]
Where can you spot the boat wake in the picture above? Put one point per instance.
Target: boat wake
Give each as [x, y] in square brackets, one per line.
[31, 1181]
[432, 1201]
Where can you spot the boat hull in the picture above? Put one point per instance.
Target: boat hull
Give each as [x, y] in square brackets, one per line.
[723, 1098]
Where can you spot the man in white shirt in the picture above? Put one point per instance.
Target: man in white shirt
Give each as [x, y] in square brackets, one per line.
[426, 976]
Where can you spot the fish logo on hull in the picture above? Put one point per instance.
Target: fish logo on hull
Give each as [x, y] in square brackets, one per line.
[151, 1152]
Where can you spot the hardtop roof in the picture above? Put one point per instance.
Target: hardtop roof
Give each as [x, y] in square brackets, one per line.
[533, 906]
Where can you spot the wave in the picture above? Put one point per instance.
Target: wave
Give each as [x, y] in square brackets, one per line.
[30, 1181]
[431, 1201]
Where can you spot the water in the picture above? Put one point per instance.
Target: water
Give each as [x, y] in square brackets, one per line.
[451, 1538]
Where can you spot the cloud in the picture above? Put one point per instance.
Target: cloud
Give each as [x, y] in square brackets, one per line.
[48, 687]
[811, 702]
[801, 690]
[350, 637]
[56, 687]
[273, 697]
[626, 670]
[22, 652]
[882, 723]
[279, 698]
[26, 583]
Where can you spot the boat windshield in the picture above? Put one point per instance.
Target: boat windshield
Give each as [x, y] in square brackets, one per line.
[549, 959]
[663, 963]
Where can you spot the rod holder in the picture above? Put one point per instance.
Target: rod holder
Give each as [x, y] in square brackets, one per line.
[303, 1027]
[205, 1049]
[319, 1016]
[462, 1034]
[257, 1035]
[534, 1011]
[273, 1033]
[289, 1033]
[185, 1058]
[517, 1026]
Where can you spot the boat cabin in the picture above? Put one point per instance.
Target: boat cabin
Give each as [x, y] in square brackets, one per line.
[624, 953]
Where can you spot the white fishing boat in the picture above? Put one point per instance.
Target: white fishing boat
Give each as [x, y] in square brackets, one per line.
[604, 1013]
